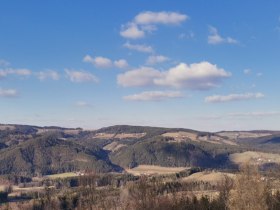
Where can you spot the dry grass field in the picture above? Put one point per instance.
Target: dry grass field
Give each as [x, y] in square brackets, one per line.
[5, 127]
[181, 136]
[152, 169]
[62, 175]
[119, 136]
[211, 177]
[242, 134]
[114, 146]
[2, 187]
[257, 158]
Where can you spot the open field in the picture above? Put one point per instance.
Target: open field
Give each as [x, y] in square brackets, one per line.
[62, 175]
[181, 136]
[114, 146]
[5, 127]
[254, 158]
[119, 136]
[211, 177]
[152, 169]
[2, 187]
[242, 134]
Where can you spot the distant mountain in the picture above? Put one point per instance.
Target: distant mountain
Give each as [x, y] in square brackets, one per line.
[33, 150]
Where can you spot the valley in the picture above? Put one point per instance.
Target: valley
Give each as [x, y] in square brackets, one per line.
[37, 160]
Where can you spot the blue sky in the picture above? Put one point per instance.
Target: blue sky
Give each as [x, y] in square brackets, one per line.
[206, 65]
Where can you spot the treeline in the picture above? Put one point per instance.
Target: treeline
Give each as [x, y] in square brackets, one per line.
[248, 191]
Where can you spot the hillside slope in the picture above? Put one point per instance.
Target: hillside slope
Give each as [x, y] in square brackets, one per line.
[33, 150]
[52, 154]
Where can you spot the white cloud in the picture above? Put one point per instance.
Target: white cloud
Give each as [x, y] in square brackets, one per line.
[253, 114]
[247, 71]
[154, 59]
[3, 73]
[154, 96]
[167, 18]
[82, 104]
[243, 115]
[259, 74]
[121, 64]
[11, 71]
[21, 72]
[233, 97]
[102, 62]
[215, 38]
[198, 76]
[143, 76]
[138, 47]
[80, 76]
[48, 74]
[4, 63]
[147, 21]
[99, 61]
[8, 92]
[189, 35]
[132, 31]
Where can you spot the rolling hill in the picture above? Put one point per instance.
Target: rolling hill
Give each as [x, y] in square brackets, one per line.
[32, 150]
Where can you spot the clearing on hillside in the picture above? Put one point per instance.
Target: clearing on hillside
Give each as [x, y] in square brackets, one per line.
[119, 136]
[62, 175]
[152, 169]
[258, 158]
[211, 177]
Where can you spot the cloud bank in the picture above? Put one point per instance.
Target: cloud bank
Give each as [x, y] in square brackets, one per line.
[233, 97]
[196, 76]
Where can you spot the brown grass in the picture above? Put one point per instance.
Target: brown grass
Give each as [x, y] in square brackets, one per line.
[254, 158]
[119, 136]
[152, 169]
[5, 127]
[211, 177]
[114, 146]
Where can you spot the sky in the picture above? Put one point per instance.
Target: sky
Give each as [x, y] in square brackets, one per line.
[204, 65]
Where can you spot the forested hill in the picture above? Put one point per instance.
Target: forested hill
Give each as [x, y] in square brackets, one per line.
[33, 150]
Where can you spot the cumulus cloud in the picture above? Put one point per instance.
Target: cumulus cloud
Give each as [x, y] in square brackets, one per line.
[80, 76]
[233, 97]
[154, 59]
[167, 18]
[143, 76]
[8, 93]
[139, 47]
[154, 96]
[121, 64]
[102, 62]
[132, 31]
[18, 72]
[48, 74]
[202, 75]
[197, 76]
[99, 61]
[147, 21]
[215, 38]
